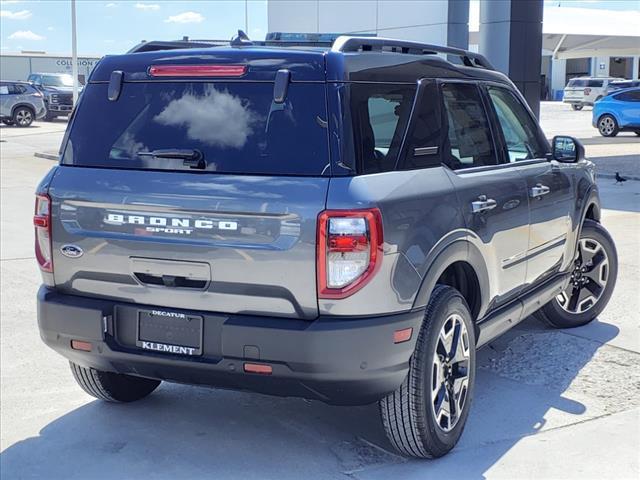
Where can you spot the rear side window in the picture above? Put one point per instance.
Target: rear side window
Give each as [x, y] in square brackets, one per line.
[577, 83]
[235, 126]
[595, 83]
[469, 136]
[380, 113]
[632, 96]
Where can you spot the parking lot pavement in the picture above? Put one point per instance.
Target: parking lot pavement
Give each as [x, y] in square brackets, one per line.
[611, 155]
[548, 404]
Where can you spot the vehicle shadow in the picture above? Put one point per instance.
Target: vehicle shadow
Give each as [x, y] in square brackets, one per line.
[186, 432]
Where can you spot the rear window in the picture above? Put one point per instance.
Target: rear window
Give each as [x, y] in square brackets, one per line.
[235, 126]
[577, 83]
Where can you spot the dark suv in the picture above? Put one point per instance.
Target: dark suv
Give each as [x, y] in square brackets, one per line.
[347, 224]
[57, 89]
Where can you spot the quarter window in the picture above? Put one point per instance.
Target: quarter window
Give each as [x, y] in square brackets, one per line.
[468, 140]
[380, 114]
[519, 130]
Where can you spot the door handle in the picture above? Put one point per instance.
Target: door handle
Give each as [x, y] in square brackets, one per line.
[539, 190]
[483, 204]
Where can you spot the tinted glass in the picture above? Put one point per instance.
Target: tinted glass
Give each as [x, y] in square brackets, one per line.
[469, 142]
[595, 83]
[380, 113]
[57, 80]
[236, 126]
[629, 96]
[519, 129]
[577, 83]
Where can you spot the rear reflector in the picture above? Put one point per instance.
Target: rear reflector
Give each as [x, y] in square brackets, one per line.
[403, 335]
[258, 368]
[197, 70]
[80, 345]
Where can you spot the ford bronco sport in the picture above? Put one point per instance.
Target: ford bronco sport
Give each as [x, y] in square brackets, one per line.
[347, 224]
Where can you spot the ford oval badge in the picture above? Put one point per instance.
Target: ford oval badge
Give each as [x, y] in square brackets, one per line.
[71, 251]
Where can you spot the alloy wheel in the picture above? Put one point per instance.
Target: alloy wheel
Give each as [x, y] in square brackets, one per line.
[607, 126]
[24, 117]
[588, 279]
[450, 373]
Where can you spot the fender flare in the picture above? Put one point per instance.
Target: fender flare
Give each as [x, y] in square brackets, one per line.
[456, 251]
[23, 104]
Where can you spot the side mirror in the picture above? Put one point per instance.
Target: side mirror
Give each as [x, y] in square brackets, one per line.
[567, 149]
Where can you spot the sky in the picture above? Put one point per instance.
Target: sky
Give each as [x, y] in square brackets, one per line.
[114, 26]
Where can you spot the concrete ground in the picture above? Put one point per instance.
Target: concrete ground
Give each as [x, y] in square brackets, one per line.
[549, 403]
[611, 155]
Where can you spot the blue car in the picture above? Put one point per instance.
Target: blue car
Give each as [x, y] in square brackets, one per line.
[618, 112]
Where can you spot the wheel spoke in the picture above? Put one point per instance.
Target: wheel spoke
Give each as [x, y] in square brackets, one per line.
[460, 387]
[594, 288]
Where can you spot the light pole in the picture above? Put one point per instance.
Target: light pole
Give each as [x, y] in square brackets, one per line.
[74, 52]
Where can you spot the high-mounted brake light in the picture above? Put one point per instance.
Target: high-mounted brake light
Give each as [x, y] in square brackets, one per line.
[42, 223]
[349, 250]
[197, 70]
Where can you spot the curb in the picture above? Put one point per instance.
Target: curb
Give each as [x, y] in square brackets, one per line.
[48, 156]
[612, 176]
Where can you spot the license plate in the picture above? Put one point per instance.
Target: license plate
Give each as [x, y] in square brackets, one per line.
[169, 332]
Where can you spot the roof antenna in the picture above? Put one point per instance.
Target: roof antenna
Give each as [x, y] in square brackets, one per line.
[241, 39]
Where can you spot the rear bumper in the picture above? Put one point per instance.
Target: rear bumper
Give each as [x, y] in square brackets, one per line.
[338, 360]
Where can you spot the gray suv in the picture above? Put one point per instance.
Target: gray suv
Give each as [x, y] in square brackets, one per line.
[346, 224]
[20, 104]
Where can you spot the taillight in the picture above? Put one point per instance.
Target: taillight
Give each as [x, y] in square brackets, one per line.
[587, 91]
[42, 222]
[197, 70]
[349, 250]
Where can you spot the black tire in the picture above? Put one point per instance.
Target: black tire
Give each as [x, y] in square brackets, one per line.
[112, 387]
[557, 316]
[608, 126]
[637, 132]
[7, 122]
[48, 117]
[577, 106]
[23, 117]
[408, 414]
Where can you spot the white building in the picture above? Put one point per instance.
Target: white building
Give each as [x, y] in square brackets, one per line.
[576, 41]
[18, 66]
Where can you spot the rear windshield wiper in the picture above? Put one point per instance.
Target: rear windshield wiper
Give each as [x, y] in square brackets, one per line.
[192, 158]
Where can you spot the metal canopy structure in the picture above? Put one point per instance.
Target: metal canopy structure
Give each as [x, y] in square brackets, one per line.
[567, 45]
[570, 45]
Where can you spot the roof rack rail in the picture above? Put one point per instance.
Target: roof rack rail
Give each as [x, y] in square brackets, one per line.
[347, 43]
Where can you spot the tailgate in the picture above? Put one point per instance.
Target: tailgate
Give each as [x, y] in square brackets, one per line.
[213, 242]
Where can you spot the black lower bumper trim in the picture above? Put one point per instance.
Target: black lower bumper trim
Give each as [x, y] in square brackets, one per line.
[338, 360]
